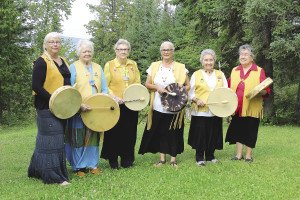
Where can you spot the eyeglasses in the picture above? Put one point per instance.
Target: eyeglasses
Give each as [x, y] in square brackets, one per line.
[122, 49]
[87, 51]
[167, 50]
[54, 42]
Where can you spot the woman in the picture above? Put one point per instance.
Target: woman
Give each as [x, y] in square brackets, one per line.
[206, 132]
[243, 129]
[120, 140]
[158, 135]
[50, 72]
[82, 144]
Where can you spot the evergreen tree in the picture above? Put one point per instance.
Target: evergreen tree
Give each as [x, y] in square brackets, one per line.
[15, 70]
[46, 16]
[108, 27]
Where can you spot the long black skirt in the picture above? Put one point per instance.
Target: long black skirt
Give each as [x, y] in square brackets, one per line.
[160, 138]
[206, 133]
[48, 161]
[243, 130]
[121, 139]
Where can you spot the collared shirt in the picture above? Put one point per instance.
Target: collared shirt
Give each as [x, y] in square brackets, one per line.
[123, 70]
[241, 86]
[211, 81]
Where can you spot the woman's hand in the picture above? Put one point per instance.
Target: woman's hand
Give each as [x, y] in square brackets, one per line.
[160, 89]
[199, 102]
[84, 108]
[263, 92]
[118, 100]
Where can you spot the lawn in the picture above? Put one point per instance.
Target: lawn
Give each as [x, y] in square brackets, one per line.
[274, 174]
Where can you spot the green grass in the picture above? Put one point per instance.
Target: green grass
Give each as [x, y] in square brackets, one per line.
[274, 174]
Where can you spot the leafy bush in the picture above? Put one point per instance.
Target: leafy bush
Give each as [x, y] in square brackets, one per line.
[285, 104]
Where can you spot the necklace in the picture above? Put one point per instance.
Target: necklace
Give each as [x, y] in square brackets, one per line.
[165, 72]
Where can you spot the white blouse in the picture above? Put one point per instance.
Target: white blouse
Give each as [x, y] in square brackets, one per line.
[163, 78]
[211, 81]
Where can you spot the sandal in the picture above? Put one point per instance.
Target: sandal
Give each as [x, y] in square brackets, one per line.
[249, 160]
[160, 163]
[174, 164]
[237, 158]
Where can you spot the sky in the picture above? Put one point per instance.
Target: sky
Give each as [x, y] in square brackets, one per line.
[80, 15]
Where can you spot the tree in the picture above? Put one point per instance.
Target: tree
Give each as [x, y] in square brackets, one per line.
[46, 16]
[274, 27]
[15, 65]
[108, 27]
[142, 33]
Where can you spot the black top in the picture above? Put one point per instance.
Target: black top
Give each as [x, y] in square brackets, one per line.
[42, 97]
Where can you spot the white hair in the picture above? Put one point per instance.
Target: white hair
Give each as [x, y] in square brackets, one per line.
[207, 52]
[247, 47]
[84, 42]
[122, 41]
[51, 35]
[167, 43]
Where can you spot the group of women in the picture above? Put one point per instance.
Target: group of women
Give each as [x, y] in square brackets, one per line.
[58, 140]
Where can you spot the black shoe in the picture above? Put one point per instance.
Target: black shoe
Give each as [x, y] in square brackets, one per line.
[249, 160]
[114, 165]
[237, 158]
[126, 164]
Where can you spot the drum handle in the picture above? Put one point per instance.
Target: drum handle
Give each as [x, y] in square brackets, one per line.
[221, 102]
[171, 93]
[140, 99]
[103, 108]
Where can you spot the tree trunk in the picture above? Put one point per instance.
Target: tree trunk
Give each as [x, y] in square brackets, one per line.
[269, 111]
[297, 111]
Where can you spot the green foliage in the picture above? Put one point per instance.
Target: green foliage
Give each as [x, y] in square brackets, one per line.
[46, 16]
[107, 28]
[142, 33]
[15, 65]
[285, 104]
[68, 51]
[273, 174]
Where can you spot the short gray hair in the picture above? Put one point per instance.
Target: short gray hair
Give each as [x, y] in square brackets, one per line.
[122, 41]
[207, 52]
[247, 47]
[84, 42]
[168, 43]
[51, 35]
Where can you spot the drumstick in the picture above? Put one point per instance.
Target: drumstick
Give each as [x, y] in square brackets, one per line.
[110, 108]
[171, 93]
[221, 102]
[140, 99]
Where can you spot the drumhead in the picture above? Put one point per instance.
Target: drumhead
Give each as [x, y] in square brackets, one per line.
[65, 102]
[222, 102]
[136, 97]
[174, 103]
[263, 85]
[104, 113]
